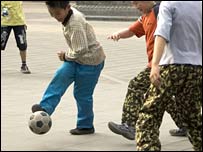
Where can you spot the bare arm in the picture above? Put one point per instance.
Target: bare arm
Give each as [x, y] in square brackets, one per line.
[159, 45]
[125, 33]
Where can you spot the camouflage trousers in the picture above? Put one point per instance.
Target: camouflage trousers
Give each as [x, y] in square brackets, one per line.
[185, 82]
[135, 96]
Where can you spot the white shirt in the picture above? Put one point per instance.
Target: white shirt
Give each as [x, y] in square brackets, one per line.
[180, 23]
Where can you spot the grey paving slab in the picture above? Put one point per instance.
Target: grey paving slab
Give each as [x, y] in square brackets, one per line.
[18, 92]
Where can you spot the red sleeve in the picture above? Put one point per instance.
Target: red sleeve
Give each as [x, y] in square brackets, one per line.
[137, 28]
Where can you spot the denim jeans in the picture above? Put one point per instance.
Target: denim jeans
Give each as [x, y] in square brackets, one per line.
[85, 78]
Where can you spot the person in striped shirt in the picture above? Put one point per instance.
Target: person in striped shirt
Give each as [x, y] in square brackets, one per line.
[82, 64]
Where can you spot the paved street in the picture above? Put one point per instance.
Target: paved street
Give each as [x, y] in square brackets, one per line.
[19, 92]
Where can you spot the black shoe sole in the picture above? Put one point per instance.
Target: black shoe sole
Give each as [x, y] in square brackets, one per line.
[113, 129]
[178, 133]
[116, 131]
[128, 137]
[81, 132]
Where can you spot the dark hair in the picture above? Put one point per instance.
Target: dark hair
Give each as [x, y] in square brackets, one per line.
[57, 4]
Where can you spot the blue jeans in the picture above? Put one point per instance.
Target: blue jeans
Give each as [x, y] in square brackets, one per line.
[85, 78]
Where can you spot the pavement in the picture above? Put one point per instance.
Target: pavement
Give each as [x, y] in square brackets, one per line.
[125, 59]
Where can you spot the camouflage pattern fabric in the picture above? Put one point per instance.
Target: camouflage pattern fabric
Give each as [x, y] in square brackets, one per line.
[134, 98]
[185, 82]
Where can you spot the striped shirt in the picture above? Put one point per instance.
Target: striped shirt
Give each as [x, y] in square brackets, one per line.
[83, 46]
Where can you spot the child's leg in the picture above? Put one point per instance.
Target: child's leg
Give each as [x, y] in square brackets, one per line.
[5, 32]
[21, 41]
[63, 77]
[134, 98]
[85, 82]
[191, 103]
[20, 36]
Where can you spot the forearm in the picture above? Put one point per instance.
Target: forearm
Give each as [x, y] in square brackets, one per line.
[159, 45]
[126, 33]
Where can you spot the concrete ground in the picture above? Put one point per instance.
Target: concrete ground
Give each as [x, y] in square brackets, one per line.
[125, 59]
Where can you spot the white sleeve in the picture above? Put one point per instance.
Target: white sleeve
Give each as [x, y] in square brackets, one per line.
[164, 23]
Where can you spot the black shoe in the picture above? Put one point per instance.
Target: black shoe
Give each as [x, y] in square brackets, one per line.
[82, 131]
[178, 132]
[37, 107]
[25, 70]
[123, 129]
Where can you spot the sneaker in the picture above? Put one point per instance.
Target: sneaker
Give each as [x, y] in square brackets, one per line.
[123, 129]
[37, 107]
[25, 70]
[82, 131]
[178, 132]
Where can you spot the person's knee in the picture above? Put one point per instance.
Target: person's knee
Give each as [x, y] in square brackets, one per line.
[22, 48]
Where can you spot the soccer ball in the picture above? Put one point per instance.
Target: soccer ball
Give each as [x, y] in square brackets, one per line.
[40, 122]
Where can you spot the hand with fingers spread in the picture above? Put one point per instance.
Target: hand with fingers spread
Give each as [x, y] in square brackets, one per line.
[122, 34]
[115, 36]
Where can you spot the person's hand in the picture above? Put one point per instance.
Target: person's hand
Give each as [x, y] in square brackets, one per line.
[114, 36]
[155, 76]
[61, 55]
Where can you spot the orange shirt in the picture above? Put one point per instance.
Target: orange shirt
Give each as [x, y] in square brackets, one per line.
[146, 25]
